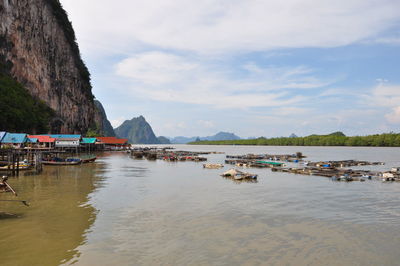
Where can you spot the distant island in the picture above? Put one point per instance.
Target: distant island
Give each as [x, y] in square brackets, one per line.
[219, 136]
[138, 131]
[333, 139]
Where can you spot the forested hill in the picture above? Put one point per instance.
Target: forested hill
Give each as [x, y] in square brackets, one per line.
[137, 131]
[334, 139]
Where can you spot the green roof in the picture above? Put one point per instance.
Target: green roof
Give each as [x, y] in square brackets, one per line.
[88, 140]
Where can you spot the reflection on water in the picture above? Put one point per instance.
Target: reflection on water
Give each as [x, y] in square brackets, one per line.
[138, 212]
[49, 230]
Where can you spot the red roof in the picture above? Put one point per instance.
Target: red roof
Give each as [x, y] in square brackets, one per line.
[112, 140]
[42, 138]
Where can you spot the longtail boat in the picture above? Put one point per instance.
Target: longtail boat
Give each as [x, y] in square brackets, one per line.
[22, 166]
[89, 160]
[59, 161]
[271, 163]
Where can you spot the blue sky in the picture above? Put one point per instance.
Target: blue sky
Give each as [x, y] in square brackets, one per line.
[255, 68]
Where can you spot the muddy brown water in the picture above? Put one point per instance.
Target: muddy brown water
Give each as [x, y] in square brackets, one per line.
[124, 211]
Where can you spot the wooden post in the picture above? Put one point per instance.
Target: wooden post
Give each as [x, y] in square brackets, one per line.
[17, 161]
[38, 162]
[8, 162]
[13, 164]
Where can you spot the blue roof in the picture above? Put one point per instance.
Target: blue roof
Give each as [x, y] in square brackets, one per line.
[15, 138]
[2, 134]
[63, 136]
[33, 140]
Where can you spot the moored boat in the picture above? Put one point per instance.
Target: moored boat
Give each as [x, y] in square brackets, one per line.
[21, 166]
[239, 175]
[60, 161]
[271, 163]
[213, 165]
[88, 160]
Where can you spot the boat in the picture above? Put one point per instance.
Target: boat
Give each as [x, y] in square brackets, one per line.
[60, 161]
[170, 158]
[367, 176]
[24, 165]
[88, 160]
[271, 163]
[213, 165]
[346, 178]
[239, 175]
[138, 155]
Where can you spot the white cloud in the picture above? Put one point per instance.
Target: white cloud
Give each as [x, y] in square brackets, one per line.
[172, 78]
[292, 111]
[389, 40]
[154, 68]
[386, 98]
[381, 80]
[394, 116]
[228, 25]
[192, 52]
[385, 95]
[332, 92]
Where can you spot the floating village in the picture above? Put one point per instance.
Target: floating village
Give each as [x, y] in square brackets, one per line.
[21, 152]
[286, 163]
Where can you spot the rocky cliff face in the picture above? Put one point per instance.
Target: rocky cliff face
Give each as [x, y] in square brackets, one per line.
[38, 43]
[104, 126]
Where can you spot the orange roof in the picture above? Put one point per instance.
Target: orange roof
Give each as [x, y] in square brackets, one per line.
[112, 140]
[42, 138]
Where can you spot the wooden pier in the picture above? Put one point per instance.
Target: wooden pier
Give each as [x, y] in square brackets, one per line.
[13, 161]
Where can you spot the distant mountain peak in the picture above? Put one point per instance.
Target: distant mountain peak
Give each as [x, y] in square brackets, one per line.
[219, 136]
[337, 133]
[137, 131]
[140, 117]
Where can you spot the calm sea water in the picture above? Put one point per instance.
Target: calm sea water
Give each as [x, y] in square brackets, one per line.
[124, 211]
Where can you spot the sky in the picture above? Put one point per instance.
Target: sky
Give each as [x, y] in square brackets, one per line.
[251, 67]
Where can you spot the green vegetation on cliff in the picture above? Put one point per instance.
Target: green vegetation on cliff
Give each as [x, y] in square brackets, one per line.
[62, 18]
[19, 111]
[137, 131]
[334, 139]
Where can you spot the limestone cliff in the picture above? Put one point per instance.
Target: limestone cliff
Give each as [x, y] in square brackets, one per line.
[137, 131]
[104, 126]
[37, 41]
